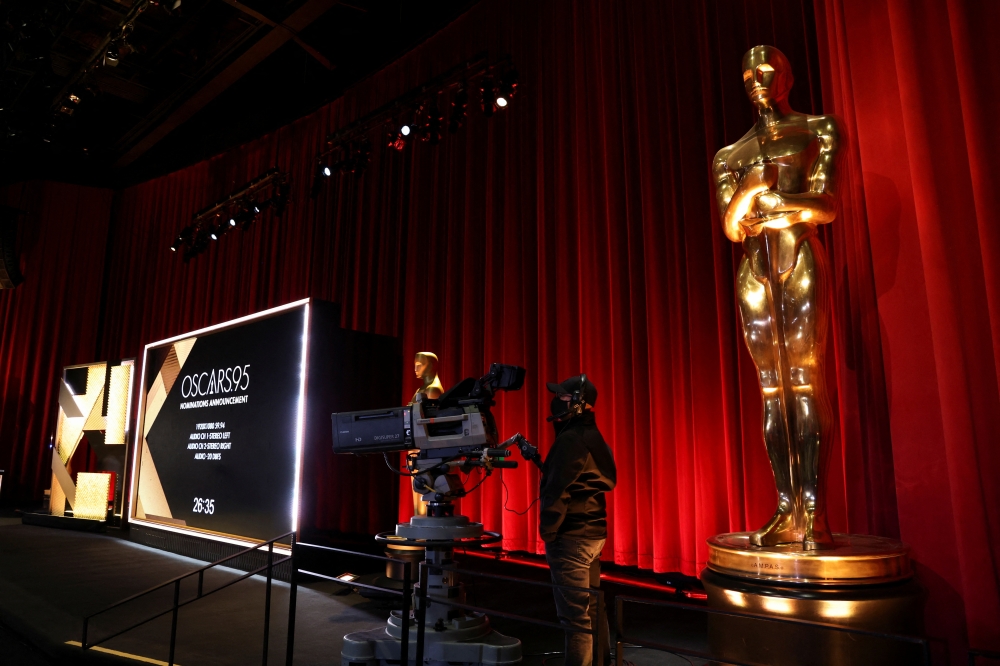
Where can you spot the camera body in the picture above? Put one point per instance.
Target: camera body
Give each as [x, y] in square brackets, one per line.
[458, 423]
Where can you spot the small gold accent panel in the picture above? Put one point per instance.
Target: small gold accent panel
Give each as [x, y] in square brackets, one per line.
[118, 397]
[92, 495]
[853, 560]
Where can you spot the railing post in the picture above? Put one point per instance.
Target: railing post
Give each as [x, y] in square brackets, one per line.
[596, 631]
[292, 589]
[619, 638]
[421, 612]
[83, 643]
[173, 622]
[201, 581]
[267, 600]
[404, 641]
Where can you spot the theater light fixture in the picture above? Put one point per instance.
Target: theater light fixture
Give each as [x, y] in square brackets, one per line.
[459, 103]
[111, 56]
[488, 99]
[507, 88]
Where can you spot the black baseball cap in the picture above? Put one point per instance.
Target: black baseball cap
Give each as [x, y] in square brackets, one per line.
[570, 386]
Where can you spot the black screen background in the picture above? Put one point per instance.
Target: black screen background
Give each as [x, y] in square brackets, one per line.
[252, 485]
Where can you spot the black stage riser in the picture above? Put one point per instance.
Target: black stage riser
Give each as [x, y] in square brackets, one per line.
[207, 550]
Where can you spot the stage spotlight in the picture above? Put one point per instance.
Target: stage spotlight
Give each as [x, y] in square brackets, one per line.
[396, 140]
[112, 56]
[434, 120]
[362, 156]
[488, 98]
[183, 237]
[280, 199]
[458, 109]
[406, 129]
[507, 88]
[326, 171]
[214, 235]
[232, 221]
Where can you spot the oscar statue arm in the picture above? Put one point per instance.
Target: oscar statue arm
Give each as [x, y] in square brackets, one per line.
[737, 198]
[725, 188]
[818, 205]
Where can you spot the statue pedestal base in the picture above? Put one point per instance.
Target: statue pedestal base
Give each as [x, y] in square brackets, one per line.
[863, 582]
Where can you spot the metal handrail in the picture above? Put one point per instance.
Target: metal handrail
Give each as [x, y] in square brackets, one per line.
[177, 603]
[404, 592]
[985, 654]
[621, 638]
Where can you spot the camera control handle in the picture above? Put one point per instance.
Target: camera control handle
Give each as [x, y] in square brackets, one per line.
[527, 449]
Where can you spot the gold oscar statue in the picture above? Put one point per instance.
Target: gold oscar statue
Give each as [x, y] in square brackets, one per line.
[425, 368]
[774, 186]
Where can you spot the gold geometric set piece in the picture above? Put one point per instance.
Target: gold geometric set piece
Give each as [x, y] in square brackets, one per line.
[79, 414]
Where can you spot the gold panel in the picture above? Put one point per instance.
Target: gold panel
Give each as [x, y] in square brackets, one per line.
[151, 495]
[92, 495]
[150, 499]
[118, 396]
[854, 559]
[57, 498]
[95, 419]
[71, 430]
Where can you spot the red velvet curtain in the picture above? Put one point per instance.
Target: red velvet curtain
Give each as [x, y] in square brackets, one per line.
[916, 84]
[574, 232]
[50, 321]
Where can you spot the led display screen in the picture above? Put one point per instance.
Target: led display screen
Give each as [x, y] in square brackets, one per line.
[220, 433]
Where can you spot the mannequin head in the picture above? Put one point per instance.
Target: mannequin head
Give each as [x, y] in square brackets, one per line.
[767, 76]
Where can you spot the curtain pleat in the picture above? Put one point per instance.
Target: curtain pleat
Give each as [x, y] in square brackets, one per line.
[915, 85]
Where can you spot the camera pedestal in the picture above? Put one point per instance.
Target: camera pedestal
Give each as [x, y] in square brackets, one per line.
[453, 636]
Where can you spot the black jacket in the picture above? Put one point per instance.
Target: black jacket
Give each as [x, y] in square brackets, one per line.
[577, 472]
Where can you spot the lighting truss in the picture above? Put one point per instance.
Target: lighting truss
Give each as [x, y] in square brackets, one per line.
[238, 210]
[418, 115]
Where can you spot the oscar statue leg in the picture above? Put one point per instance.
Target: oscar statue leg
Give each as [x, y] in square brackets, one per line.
[805, 317]
[758, 332]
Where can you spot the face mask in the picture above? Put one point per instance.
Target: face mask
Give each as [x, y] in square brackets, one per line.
[558, 407]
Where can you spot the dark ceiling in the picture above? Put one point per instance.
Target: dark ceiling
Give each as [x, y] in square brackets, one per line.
[192, 78]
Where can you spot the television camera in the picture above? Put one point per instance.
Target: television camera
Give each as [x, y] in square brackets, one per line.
[456, 432]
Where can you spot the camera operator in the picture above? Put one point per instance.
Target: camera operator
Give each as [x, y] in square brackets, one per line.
[577, 472]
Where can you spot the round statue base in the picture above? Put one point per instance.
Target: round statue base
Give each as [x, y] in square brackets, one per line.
[862, 582]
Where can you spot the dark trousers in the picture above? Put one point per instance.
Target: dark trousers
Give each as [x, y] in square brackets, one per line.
[577, 563]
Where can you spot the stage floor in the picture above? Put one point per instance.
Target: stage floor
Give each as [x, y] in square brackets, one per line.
[51, 578]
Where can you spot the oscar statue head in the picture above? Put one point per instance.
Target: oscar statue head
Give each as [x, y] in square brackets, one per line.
[767, 76]
[425, 366]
